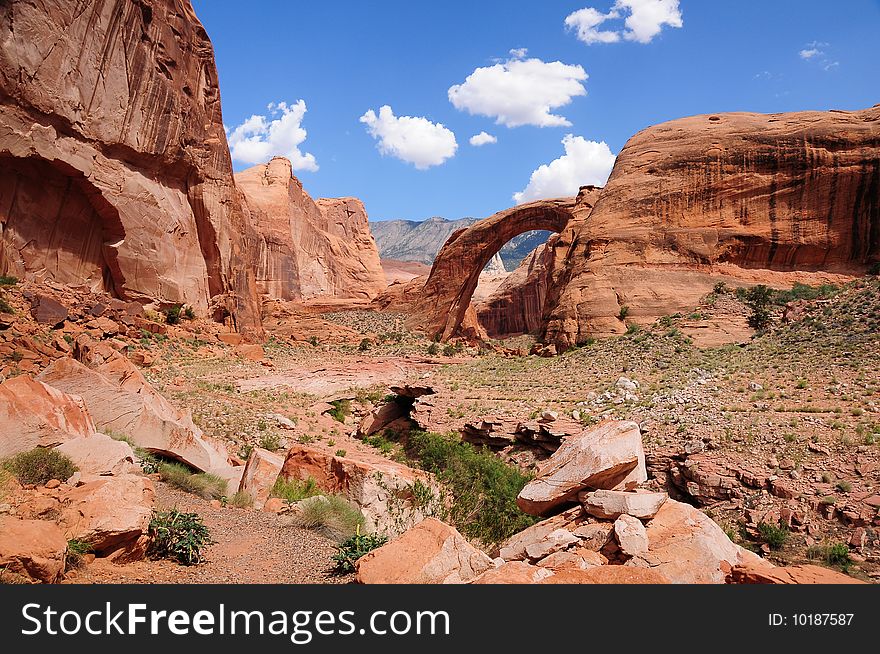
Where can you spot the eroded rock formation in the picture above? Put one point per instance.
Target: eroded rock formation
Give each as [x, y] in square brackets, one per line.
[114, 166]
[307, 248]
[742, 197]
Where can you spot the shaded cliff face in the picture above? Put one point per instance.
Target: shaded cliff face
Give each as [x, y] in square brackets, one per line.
[739, 197]
[115, 167]
[307, 249]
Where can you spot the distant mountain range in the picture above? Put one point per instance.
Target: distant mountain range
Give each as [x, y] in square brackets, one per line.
[413, 240]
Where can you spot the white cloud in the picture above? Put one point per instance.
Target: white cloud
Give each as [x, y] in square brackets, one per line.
[519, 53]
[584, 162]
[258, 138]
[482, 139]
[642, 21]
[815, 52]
[520, 91]
[412, 139]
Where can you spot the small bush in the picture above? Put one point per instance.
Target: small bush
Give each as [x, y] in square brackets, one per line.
[844, 486]
[76, 549]
[189, 313]
[364, 345]
[7, 280]
[241, 500]
[5, 307]
[353, 548]
[836, 554]
[483, 487]
[313, 340]
[340, 453]
[178, 536]
[720, 288]
[330, 515]
[270, 441]
[294, 490]
[203, 484]
[172, 314]
[39, 465]
[758, 299]
[774, 535]
[623, 313]
[340, 411]
[433, 349]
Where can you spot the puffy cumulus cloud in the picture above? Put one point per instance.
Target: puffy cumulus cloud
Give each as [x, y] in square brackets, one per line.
[259, 138]
[642, 21]
[586, 23]
[520, 91]
[482, 139]
[815, 52]
[415, 140]
[584, 162]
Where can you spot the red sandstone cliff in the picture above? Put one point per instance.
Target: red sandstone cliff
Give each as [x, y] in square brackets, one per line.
[306, 248]
[744, 197]
[114, 166]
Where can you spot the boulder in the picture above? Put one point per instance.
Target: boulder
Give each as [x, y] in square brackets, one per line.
[260, 474]
[608, 456]
[687, 547]
[606, 574]
[120, 399]
[432, 552]
[48, 311]
[391, 496]
[608, 504]
[556, 541]
[631, 535]
[110, 513]
[792, 574]
[35, 549]
[33, 414]
[579, 557]
[512, 572]
[100, 455]
[514, 548]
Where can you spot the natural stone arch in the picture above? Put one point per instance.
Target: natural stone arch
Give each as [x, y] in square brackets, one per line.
[443, 303]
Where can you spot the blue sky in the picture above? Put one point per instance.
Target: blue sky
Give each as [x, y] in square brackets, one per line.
[343, 59]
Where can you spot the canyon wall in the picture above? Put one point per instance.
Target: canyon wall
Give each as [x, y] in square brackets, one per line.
[305, 248]
[741, 197]
[114, 166]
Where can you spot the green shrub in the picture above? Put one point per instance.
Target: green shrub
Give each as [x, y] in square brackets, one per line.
[774, 535]
[178, 536]
[314, 341]
[203, 484]
[270, 441]
[433, 349]
[340, 411]
[330, 515]
[836, 554]
[449, 350]
[720, 288]
[353, 548]
[5, 307]
[172, 314]
[7, 280]
[483, 487]
[189, 313]
[623, 313]
[241, 500]
[758, 299]
[340, 453]
[294, 490]
[76, 549]
[39, 465]
[844, 486]
[364, 345]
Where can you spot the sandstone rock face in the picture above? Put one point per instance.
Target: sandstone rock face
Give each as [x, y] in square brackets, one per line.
[114, 166]
[32, 548]
[382, 489]
[606, 574]
[109, 513]
[443, 307]
[792, 574]
[33, 414]
[260, 474]
[687, 547]
[607, 456]
[430, 553]
[99, 455]
[513, 572]
[743, 198]
[120, 399]
[306, 248]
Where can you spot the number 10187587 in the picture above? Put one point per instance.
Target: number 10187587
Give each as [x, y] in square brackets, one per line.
[811, 619]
